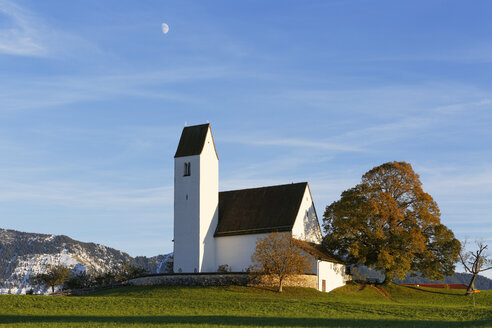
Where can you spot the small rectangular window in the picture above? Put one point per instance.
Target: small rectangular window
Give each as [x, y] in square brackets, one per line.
[187, 169]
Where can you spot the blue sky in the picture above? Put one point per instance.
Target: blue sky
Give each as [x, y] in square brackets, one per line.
[93, 97]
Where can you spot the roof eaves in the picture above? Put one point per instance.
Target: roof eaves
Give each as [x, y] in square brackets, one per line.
[264, 187]
[253, 231]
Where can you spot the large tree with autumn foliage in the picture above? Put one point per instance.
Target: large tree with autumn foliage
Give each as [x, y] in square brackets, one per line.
[389, 223]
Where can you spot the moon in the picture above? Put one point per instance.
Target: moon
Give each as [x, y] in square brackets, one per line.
[165, 28]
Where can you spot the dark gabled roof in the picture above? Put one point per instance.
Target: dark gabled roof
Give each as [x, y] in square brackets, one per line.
[317, 251]
[259, 210]
[192, 140]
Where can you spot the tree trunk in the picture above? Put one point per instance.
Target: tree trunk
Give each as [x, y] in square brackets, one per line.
[471, 286]
[280, 285]
[53, 288]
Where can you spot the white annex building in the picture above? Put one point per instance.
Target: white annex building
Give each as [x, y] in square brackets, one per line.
[213, 228]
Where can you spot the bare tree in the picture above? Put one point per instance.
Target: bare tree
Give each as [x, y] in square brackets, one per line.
[277, 255]
[475, 262]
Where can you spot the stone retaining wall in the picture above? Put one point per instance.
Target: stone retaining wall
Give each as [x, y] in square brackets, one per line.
[302, 280]
[222, 279]
[191, 280]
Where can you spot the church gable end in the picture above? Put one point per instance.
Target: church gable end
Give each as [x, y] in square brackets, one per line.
[306, 226]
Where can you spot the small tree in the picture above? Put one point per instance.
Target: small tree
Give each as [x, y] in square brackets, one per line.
[475, 262]
[56, 275]
[278, 255]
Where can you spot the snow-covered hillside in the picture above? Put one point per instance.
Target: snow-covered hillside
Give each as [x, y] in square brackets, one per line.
[23, 255]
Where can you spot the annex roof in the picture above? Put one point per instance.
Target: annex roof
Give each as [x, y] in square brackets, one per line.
[192, 140]
[317, 251]
[259, 210]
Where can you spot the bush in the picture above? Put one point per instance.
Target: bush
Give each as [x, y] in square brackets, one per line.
[224, 268]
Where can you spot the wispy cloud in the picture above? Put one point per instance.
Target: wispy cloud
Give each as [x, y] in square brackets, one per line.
[293, 143]
[463, 194]
[478, 52]
[486, 102]
[384, 114]
[386, 101]
[74, 194]
[471, 180]
[40, 93]
[384, 132]
[22, 37]
[25, 33]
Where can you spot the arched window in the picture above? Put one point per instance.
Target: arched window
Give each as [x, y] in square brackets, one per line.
[187, 169]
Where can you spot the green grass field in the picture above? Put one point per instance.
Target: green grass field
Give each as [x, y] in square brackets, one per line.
[350, 306]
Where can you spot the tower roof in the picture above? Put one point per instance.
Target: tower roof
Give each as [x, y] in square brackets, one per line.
[192, 140]
[259, 210]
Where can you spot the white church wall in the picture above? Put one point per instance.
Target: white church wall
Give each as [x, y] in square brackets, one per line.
[236, 251]
[306, 226]
[209, 202]
[314, 263]
[332, 273]
[186, 213]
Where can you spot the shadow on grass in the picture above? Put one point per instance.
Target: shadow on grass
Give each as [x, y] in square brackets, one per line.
[238, 321]
[433, 291]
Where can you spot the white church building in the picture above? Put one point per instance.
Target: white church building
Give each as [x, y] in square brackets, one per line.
[213, 228]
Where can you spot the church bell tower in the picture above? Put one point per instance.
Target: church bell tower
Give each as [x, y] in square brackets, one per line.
[196, 200]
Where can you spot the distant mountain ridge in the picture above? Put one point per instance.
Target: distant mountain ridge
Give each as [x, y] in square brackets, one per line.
[24, 254]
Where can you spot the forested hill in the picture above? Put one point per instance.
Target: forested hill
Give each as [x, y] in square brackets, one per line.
[482, 282]
[24, 254]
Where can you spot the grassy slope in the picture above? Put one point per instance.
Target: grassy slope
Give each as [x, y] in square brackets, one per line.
[251, 307]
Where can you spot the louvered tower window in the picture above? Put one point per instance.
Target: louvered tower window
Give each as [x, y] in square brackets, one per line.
[187, 169]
